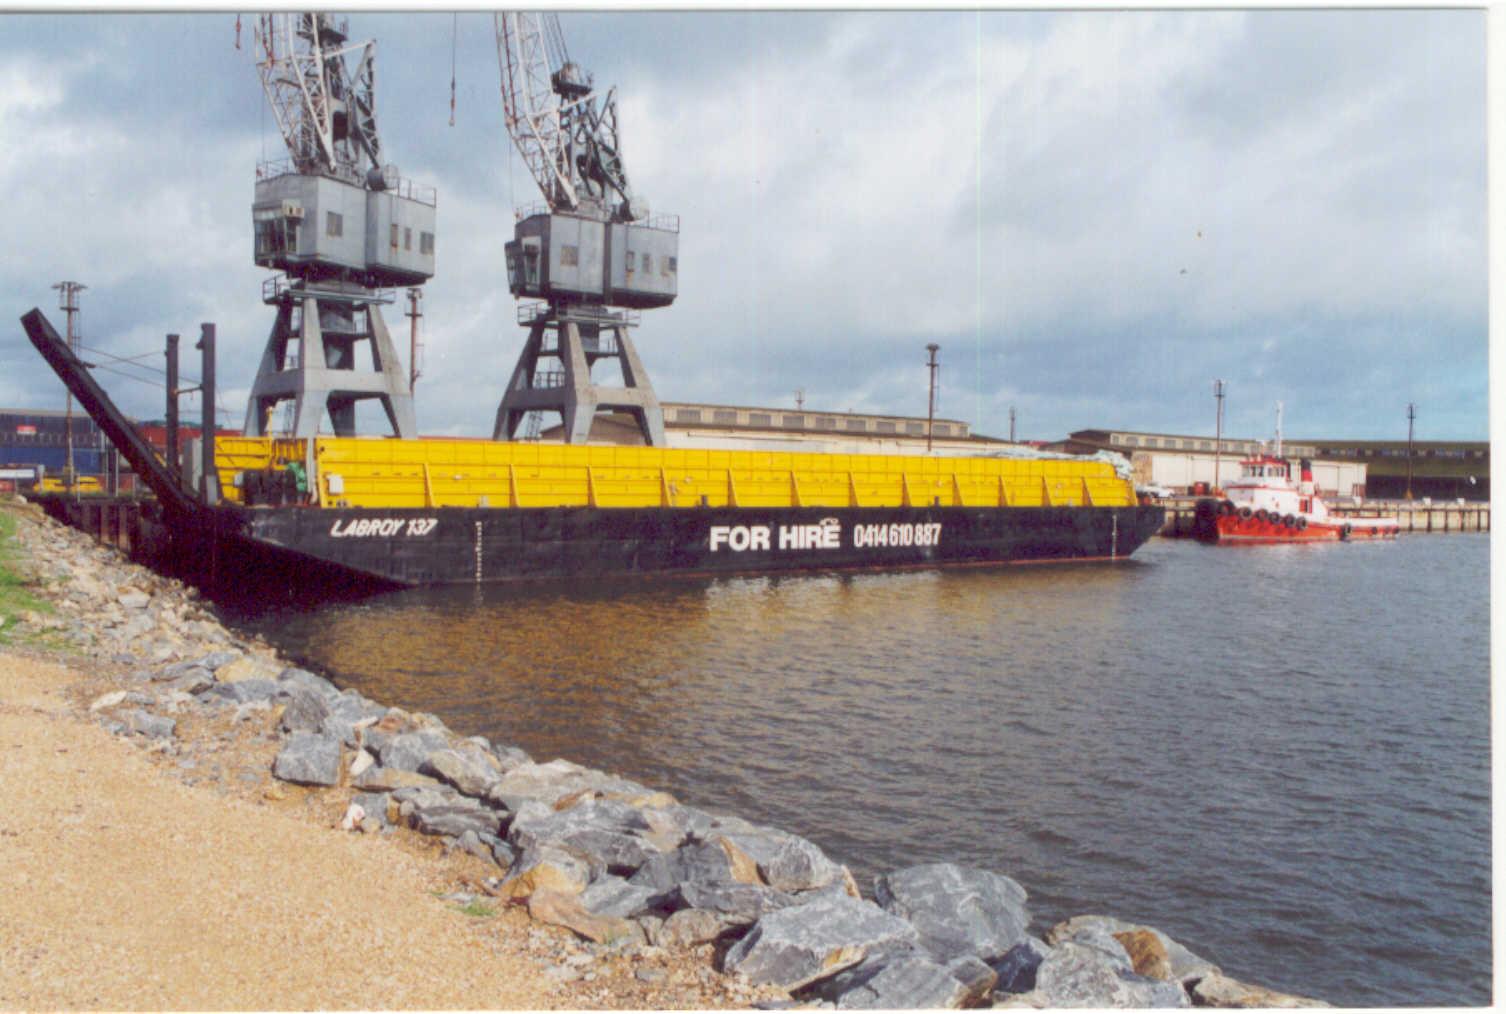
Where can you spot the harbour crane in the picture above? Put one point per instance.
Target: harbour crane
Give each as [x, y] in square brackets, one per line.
[340, 223]
[591, 257]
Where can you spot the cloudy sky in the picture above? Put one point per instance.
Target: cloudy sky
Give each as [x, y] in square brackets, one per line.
[1094, 213]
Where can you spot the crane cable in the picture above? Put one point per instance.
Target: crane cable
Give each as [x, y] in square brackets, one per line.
[454, 33]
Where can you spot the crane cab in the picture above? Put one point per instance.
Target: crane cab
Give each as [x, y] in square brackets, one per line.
[307, 224]
[576, 259]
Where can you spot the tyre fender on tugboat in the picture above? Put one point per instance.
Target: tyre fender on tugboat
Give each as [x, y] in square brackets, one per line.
[1262, 515]
[1244, 512]
[1301, 524]
[1289, 521]
[1226, 507]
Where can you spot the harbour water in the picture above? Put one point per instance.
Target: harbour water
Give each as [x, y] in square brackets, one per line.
[1278, 755]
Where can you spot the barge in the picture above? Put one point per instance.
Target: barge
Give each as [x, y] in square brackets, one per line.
[454, 511]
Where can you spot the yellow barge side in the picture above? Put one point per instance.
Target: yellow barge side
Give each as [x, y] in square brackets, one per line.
[438, 472]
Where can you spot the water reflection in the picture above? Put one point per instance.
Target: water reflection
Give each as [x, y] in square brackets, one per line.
[1266, 753]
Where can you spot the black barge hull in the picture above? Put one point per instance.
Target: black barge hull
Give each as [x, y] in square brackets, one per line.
[455, 545]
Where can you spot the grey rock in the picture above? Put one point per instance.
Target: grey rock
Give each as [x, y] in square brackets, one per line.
[374, 804]
[786, 861]
[691, 927]
[705, 862]
[193, 680]
[467, 773]
[133, 628]
[408, 751]
[503, 854]
[245, 691]
[684, 821]
[611, 831]
[905, 980]
[431, 794]
[133, 599]
[470, 841]
[612, 895]
[218, 659]
[348, 713]
[175, 670]
[739, 904]
[144, 723]
[1185, 965]
[553, 781]
[308, 759]
[1016, 969]
[1217, 990]
[799, 945]
[456, 820]
[1085, 974]
[381, 779]
[957, 910]
[976, 977]
[310, 681]
[510, 757]
[565, 866]
[305, 712]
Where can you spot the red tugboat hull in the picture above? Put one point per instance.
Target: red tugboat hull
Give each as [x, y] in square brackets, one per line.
[1222, 522]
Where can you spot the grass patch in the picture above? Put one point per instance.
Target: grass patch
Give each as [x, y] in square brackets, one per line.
[478, 909]
[16, 595]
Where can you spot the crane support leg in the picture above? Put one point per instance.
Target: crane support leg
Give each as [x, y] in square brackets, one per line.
[556, 377]
[328, 374]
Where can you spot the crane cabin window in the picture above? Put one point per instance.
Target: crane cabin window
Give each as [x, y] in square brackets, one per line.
[407, 238]
[569, 255]
[674, 266]
[394, 235]
[648, 264]
[426, 244]
[628, 263]
[334, 224]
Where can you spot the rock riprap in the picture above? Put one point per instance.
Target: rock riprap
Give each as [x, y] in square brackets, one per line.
[617, 863]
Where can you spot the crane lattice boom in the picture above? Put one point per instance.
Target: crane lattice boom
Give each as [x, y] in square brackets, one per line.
[326, 111]
[567, 138]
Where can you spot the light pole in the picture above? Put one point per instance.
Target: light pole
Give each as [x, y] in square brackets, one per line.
[932, 348]
[68, 303]
[1411, 418]
[1011, 424]
[1218, 430]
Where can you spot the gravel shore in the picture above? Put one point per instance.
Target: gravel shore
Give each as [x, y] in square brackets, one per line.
[137, 874]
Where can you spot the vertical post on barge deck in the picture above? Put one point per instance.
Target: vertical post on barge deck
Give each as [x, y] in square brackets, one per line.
[172, 405]
[209, 480]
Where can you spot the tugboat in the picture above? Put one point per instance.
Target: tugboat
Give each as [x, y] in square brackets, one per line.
[1263, 505]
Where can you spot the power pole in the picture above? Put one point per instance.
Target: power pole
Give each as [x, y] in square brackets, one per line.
[932, 348]
[413, 314]
[800, 399]
[1218, 429]
[1411, 418]
[68, 303]
[1011, 424]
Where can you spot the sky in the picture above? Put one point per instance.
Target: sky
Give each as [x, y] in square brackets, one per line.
[1094, 213]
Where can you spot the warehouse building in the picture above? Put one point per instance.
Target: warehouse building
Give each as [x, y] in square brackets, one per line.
[696, 424]
[37, 438]
[1359, 468]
